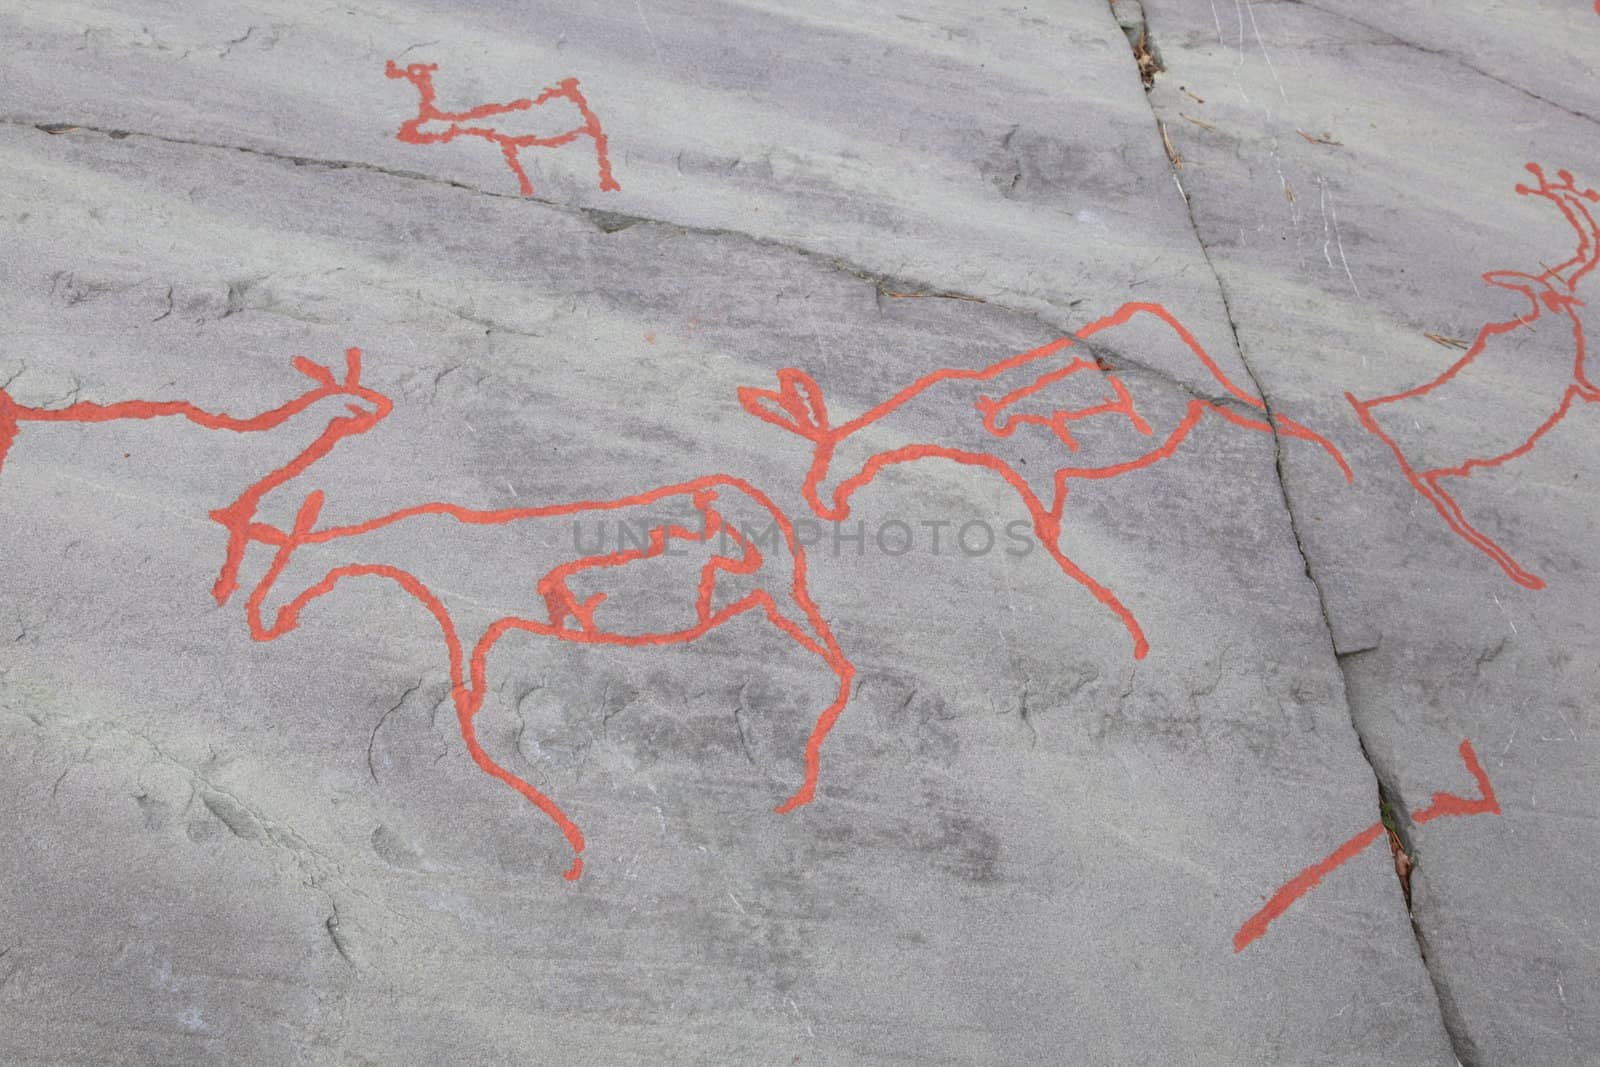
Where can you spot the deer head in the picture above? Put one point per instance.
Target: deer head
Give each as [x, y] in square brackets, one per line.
[796, 405]
[357, 409]
[418, 74]
[413, 130]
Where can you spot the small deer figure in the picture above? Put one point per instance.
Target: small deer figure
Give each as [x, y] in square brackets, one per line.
[1493, 358]
[797, 406]
[434, 126]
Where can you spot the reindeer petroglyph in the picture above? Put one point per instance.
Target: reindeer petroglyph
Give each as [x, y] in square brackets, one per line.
[435, 126]
[845, 459]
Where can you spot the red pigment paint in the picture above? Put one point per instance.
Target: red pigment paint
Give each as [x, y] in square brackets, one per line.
[567, 618]
[1443, 804]
[797, 406]
[363, 409]
[465, 123]
[1550, 292]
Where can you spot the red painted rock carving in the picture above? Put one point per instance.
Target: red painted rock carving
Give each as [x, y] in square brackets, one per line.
[355, 409]
[1442, 804]
[434, 126]
[797, 406]
[771, 583]
[1550, 295]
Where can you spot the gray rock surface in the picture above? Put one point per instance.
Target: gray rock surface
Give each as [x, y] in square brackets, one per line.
[1338, 262]
[236, 841]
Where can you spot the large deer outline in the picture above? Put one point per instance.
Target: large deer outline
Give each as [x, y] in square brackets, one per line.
[797, 406]
[1552, 291]
[566, 616]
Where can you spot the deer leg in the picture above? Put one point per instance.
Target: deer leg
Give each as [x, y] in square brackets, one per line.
[814, 636]
[1048, 532]
[1426, 483]
[510, 151]
[807, 792]
[465, 711]
[1456, 519]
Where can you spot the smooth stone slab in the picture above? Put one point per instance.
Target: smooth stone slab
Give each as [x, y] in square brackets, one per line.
[1024, 839]
[1430, 593]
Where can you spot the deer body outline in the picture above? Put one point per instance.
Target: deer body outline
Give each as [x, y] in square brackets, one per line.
[566, 615]
[469, 123]
[1552, 292]
[797, 406]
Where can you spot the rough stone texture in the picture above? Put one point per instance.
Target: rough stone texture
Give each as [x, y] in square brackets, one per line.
[1027, 845]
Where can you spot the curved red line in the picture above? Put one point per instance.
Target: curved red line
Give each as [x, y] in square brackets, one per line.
[421, 77]
[1443, 804]
[468, 671]
[1551, 291]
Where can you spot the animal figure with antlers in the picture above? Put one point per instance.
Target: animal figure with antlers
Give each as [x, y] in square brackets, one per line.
[348, 408]
[435, 126]
[1503, 353]
[1016, 402]
[743, 559]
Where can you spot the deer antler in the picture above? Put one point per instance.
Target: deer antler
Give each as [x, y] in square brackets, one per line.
[315, 371]
[796, 405]
[1564, 183]
[352, 368]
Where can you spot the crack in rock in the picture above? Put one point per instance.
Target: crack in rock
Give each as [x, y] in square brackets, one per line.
[1450, 1017]
[612, 222]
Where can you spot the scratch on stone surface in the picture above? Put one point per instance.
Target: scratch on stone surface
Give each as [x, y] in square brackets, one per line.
[1330, 236]
[227, 46]
[738, 723]
[1567, 722]
[372, 739]
[1338, 662]
[167, 312]
[1249, 6]
[796, 1009]
[1503, 611]
[1338, 241]
[654, 44]
[1238, 82]
[331, 924]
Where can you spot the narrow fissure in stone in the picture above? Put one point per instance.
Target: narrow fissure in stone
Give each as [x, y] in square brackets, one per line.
[1130, 13]
[1130, 16]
